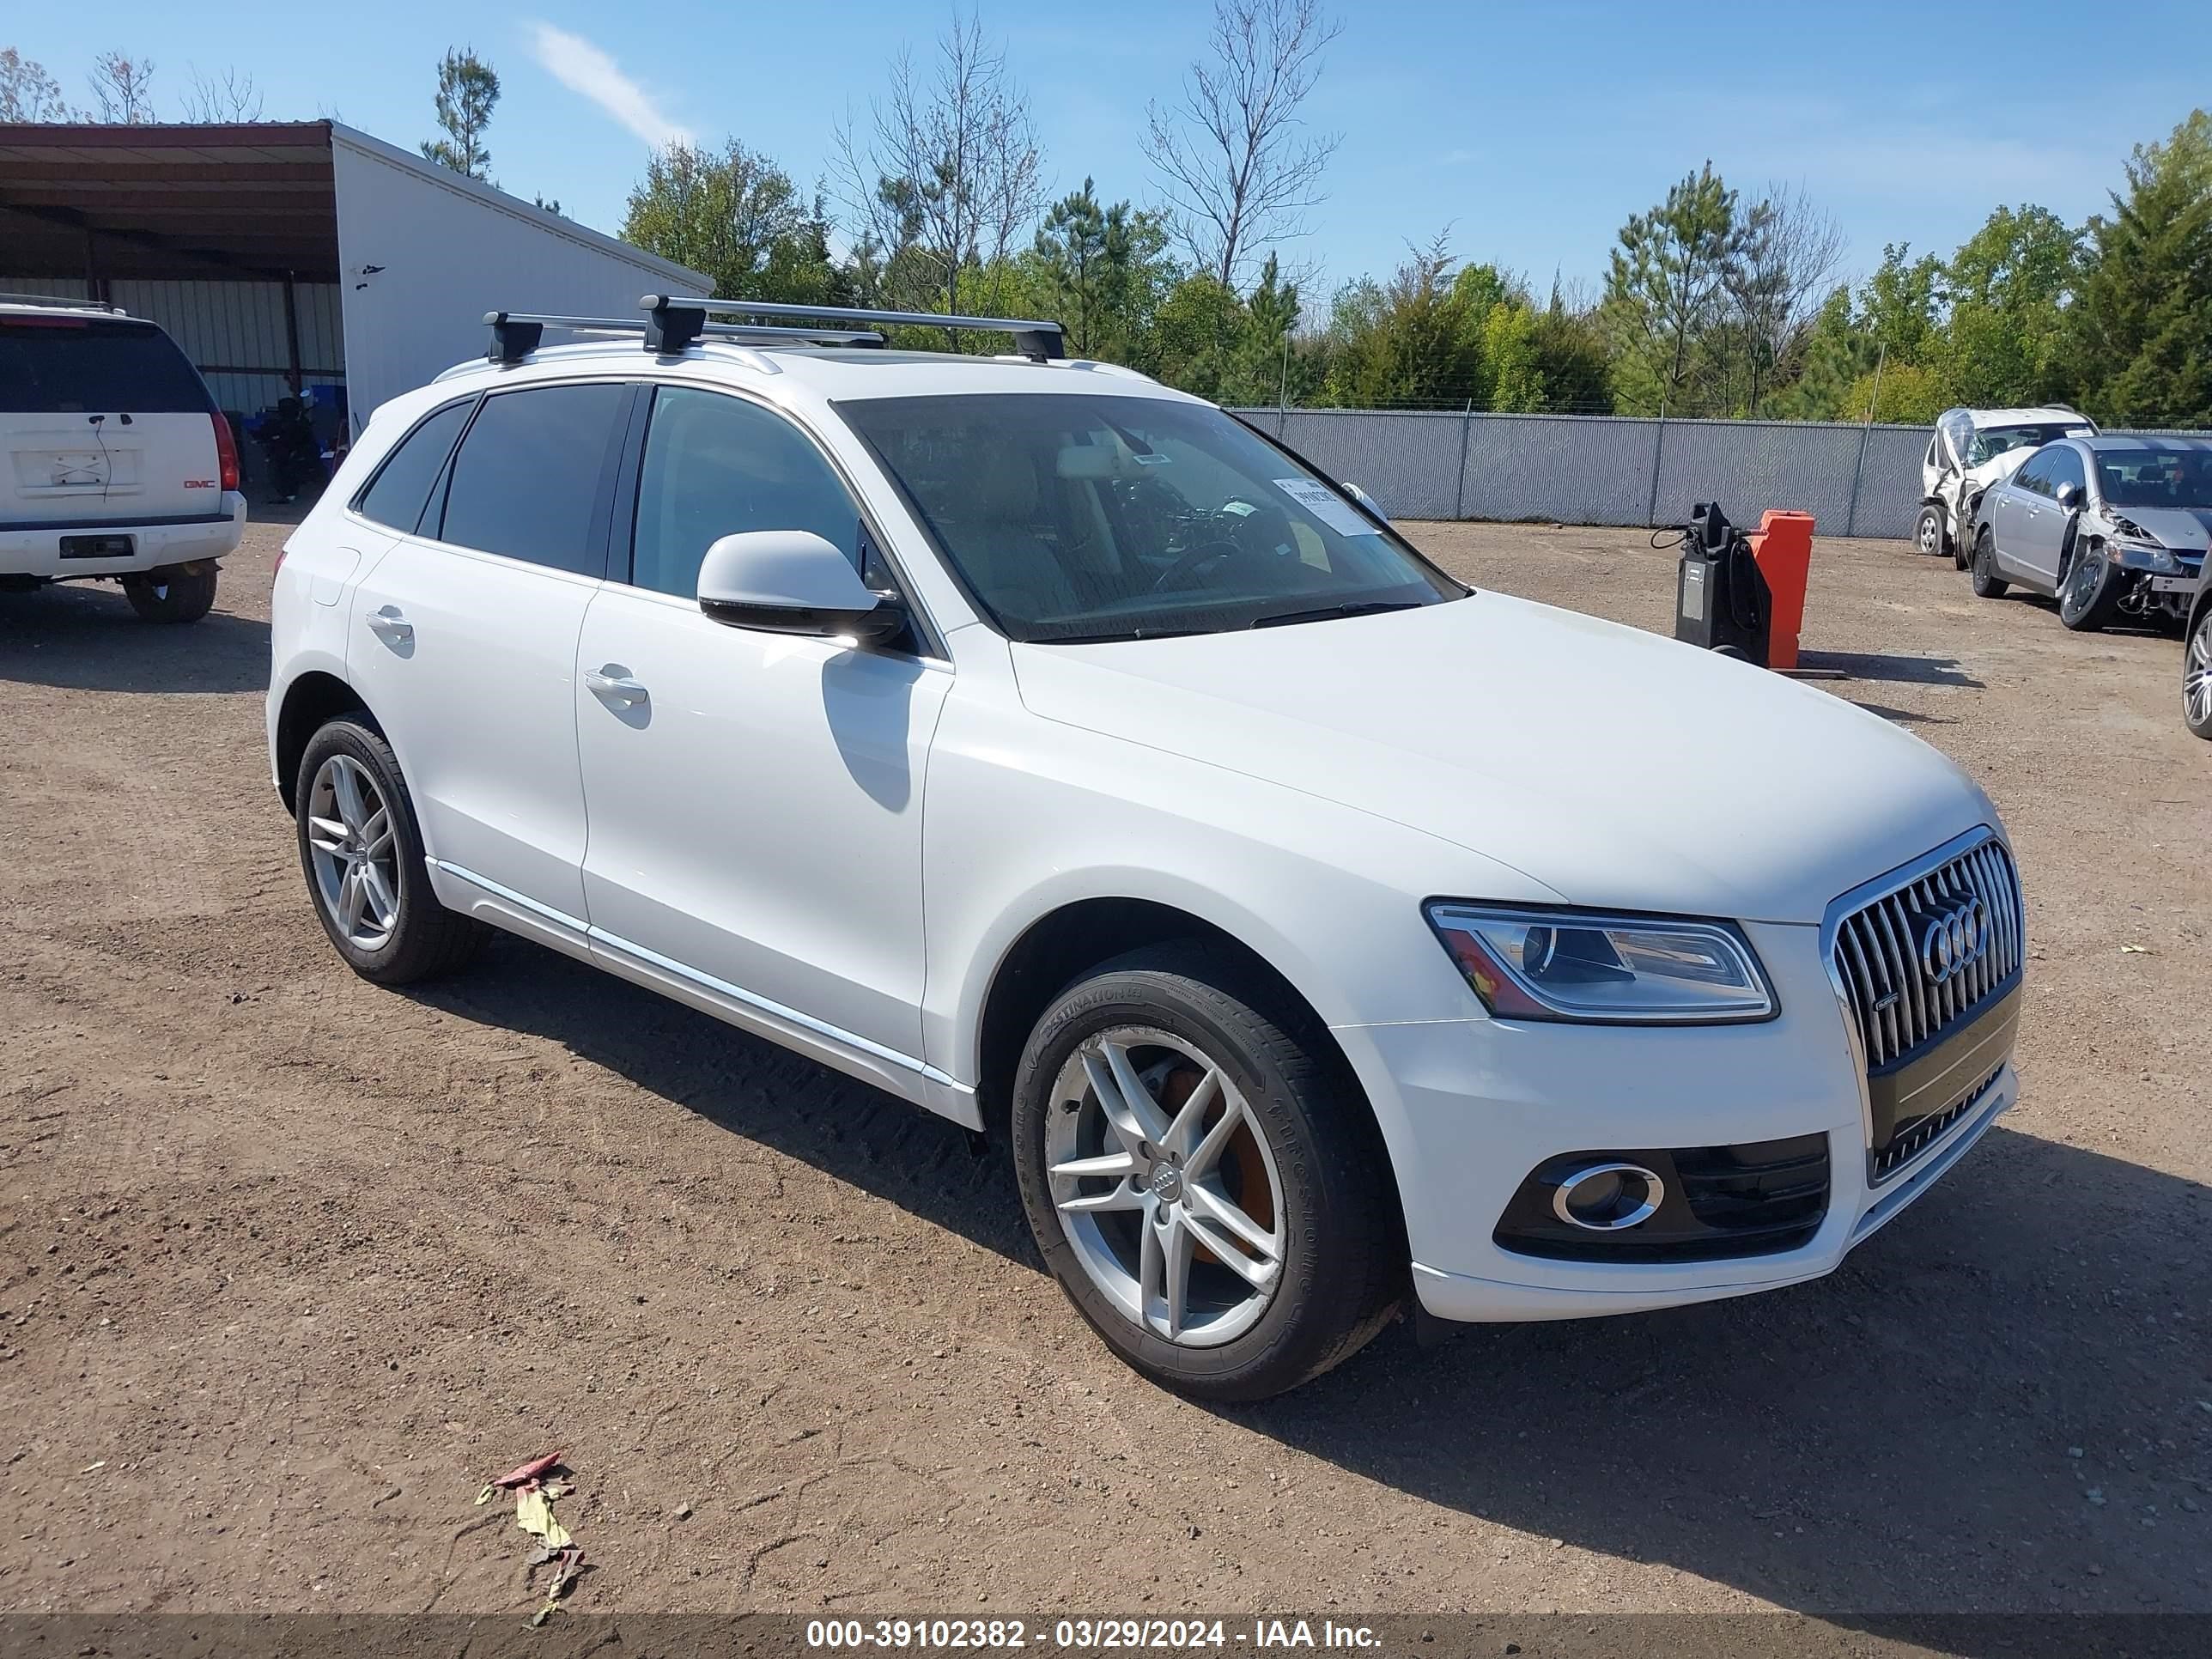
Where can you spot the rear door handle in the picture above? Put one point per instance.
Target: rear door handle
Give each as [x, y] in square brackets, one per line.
[391, 627]
[614, 684]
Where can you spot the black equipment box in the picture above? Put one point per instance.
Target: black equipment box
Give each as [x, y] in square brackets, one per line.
[1721, 597]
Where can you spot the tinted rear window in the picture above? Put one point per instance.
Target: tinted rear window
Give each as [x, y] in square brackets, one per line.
[527, 477]
[403, 484]
[68, 365]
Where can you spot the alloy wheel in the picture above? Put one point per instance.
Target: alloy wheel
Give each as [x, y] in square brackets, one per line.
[2196, 674]
[354, 855]
[2082, 583]
[1165, 1186]
[1931, 535]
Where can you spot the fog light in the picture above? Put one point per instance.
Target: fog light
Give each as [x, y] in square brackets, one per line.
[1606, 1198]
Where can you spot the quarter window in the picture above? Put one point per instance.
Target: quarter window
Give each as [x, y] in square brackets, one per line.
[402, 486]
[718, 466]
[527, 481]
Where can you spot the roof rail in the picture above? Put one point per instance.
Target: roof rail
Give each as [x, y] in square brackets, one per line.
[59, 303]
[1036, 340]
[516, 334]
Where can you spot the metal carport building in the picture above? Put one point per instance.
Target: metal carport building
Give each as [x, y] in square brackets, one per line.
[291, 255]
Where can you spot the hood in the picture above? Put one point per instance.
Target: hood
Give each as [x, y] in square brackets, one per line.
[1613, 767]
[2184, 529]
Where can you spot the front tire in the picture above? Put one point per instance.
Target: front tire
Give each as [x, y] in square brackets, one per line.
[361, 851]
[180, 593]
[2089, 592]
[2196, 677]
[1929, 535]
[1986, 583]
[1203, 1177]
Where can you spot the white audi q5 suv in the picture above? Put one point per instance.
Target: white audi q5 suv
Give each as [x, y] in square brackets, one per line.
[1051, 748]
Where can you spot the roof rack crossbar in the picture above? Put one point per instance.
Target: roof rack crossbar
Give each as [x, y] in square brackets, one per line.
[516, 334]
[56, 300]
[1034, 338]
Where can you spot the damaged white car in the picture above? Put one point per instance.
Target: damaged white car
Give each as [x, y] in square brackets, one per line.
[1970, 450]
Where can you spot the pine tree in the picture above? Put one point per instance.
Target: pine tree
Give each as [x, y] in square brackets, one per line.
[467, 90]
[2140, 323]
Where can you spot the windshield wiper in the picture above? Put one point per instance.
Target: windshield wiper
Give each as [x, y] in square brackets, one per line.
[1323, 613]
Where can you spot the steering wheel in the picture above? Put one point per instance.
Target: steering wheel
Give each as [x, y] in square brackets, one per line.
[1206, 553]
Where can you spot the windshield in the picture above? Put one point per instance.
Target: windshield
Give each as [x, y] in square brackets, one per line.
[1073, 517]
[1992, 441]
[2155, 477]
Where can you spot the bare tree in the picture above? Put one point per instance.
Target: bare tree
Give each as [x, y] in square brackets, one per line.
[27, 93]
[1239, 166]
[231, 98]
[122, 85]
[1777, 278]
[950, 173]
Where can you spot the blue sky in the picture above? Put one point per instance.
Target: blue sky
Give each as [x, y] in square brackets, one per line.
[1530, 130]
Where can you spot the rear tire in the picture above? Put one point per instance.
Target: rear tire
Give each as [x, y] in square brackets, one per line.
[178, 594]
[1930, 535]
[1282, 1143]
[1987, 584]
[362, 852]
[2089, 592]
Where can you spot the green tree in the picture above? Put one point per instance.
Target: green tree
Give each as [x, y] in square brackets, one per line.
[736, 216]
[1571, 356]
[2140, 329]
[1101, 271]
[2007, 287]
[1199, 326]
[1664, 288]
[467, 90]
[1265, 365]
[1412, 340]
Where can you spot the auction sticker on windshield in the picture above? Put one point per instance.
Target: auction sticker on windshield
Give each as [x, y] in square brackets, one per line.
[1325, 505]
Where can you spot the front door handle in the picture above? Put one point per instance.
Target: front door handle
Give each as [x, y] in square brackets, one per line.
[614, 684]
[391, 627]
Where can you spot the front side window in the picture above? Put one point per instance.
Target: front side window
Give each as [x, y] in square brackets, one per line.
[527, 481]
[2066, 468]
[2035, 475]
[2155, 477]
[1073, 517]
[395, 498]
[718, 466]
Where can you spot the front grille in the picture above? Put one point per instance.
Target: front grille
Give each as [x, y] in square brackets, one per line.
[1899, 1008]
[1916, 1135]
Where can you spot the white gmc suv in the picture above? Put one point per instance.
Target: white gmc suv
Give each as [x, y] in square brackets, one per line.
[1051, 748]
[118, 464]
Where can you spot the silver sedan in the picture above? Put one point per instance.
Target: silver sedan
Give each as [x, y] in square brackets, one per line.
[2112, 527]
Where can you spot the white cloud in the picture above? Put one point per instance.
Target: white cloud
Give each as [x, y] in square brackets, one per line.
[582, 67]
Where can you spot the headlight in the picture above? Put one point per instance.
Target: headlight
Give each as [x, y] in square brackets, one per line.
[1571, 965]
[2141, 556]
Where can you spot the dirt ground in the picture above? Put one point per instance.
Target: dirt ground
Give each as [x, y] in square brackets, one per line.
[292, 1264]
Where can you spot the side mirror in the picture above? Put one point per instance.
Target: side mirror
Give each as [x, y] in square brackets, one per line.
[1374, 508]
[2068, 494]
[792, 581]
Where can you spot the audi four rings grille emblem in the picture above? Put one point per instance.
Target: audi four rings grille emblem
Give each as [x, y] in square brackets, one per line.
[1953, 939]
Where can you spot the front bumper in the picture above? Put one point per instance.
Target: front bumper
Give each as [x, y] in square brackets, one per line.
[1470, 1106]
[38, 552]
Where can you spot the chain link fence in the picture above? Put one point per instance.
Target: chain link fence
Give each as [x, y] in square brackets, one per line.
[1611, 469]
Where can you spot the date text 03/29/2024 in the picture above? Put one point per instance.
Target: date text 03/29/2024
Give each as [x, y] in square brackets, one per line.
[1082, 1635]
